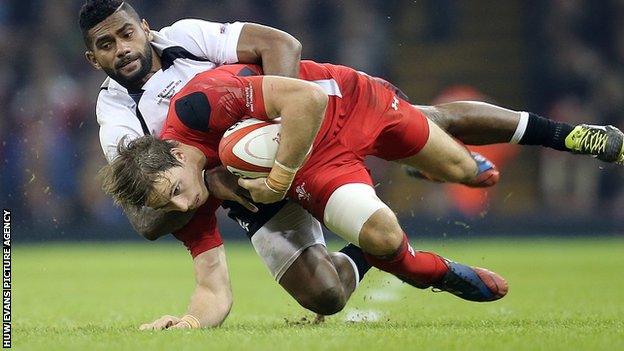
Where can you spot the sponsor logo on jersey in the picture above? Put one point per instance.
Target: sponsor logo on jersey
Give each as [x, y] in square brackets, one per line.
[302, 194]
[249, 97]
[169, 91]
[243, 224]
[410, 249]
[395, 103]
[277, 138]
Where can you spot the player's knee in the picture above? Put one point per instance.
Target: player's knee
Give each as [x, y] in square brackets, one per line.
[328, 301]
[381, 234]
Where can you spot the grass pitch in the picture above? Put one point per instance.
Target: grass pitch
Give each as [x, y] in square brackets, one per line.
[564, 295]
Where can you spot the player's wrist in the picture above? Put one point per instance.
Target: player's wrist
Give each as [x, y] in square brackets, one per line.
[192, 321]
[280, 178]
[287, 169]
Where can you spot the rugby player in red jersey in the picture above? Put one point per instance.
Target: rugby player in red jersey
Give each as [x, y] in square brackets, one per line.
[333, 175]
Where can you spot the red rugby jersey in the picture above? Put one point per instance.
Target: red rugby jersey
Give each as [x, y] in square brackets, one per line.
[213, 101]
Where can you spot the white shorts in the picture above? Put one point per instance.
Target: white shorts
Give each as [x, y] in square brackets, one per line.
[282, 239]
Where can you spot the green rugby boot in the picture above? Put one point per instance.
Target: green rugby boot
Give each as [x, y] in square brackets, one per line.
[606, 143]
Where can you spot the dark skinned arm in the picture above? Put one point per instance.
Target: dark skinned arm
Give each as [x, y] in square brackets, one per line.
[153, 224]
[277, 51]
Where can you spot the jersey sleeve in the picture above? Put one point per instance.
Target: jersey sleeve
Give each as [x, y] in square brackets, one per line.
[236, 97]
[208, 106]
[211, 104]
[201, 233]
[216, 42]
[116, 120]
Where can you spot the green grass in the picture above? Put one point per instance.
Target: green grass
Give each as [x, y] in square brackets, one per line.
[564, 295]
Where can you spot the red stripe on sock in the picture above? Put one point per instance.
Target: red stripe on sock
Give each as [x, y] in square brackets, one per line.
[420, 267]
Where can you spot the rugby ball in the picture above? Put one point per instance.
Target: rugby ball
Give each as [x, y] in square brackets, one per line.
[247, 149]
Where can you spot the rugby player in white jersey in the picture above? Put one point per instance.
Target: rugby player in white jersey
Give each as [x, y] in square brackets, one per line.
[146, 68]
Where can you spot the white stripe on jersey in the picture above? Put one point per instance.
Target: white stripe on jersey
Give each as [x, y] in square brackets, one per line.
[330, 86]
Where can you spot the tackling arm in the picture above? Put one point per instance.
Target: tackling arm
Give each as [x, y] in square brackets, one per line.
[153, 224]
[278, 51]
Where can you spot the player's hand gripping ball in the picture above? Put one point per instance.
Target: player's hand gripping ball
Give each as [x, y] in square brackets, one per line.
[260, 191]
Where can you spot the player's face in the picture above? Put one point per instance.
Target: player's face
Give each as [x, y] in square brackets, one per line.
[121, 47]
[180, 188]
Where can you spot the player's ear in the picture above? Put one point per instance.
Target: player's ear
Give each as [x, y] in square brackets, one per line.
[146, 29]
[178, 154]
[91, 58]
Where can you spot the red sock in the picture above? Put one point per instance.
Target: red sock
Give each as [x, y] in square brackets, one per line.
[420, 267]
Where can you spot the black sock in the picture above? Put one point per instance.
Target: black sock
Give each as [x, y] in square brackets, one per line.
[546, 132]
[356, 254]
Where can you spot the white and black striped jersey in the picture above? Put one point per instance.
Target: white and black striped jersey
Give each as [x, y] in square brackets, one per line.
[187, 47]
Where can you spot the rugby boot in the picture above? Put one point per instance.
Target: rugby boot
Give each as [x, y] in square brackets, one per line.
[605, 143]
[469, 283]
[487, 174]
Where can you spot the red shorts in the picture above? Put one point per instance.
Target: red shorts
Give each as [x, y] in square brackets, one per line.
[398, 132]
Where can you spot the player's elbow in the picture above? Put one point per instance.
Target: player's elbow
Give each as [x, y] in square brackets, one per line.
[150, 235]
[317, 100]
[281, 42]
[147, 232]
[287, 44]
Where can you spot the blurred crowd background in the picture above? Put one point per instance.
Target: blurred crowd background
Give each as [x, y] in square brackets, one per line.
[559, 58]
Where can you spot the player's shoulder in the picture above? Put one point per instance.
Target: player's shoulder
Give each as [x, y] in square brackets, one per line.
[104, 89]
[179, 27]
[110, 89]
[311, 70]
[115, 111]
[111, 97]
[189, 24]
[193, 28]
[238, 70]
[219, 77]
